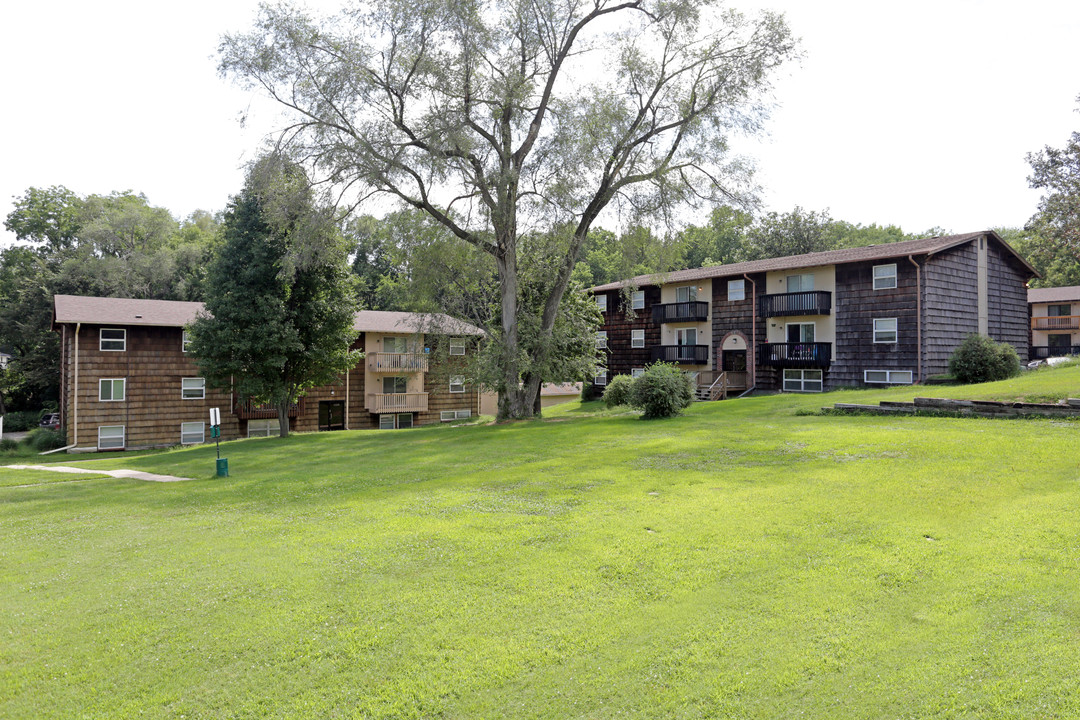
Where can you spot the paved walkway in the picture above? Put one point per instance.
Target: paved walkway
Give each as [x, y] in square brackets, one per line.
[136, 474]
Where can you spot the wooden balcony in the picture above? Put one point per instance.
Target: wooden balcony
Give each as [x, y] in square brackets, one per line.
[795, 355]
[249, 410]
[382, 362]
[396, 402]
[1041, 352]
[695, 311]
[681, 354]
[814, 302]
[1056, 322]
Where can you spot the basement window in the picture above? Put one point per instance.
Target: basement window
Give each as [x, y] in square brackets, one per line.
[889, 377]
[110, 437]
[448, 415]
[192, 433]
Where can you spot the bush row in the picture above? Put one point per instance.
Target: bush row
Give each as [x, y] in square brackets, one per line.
[663, 390]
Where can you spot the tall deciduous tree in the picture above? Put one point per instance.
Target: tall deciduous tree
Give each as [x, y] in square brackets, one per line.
[280, 299]
[1057, 171]
[506, 119]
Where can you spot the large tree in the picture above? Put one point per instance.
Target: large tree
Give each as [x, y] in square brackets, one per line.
[506, 119]
[1057, 223]
[280, 298]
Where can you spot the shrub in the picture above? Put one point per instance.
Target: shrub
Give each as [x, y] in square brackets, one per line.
[22, 420]
[663, 391]
[618, 391]
[591, 391]
[980, 359]
[8, 445]
[42, 439]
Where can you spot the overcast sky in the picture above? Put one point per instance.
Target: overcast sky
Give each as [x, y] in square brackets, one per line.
[916, 114]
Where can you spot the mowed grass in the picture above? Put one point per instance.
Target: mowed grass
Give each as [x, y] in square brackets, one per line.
[744, 561]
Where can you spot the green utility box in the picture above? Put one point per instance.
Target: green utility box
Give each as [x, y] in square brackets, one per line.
[223, 467]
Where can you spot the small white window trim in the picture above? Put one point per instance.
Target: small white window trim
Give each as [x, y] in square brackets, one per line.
[261, 427]
[112, 386]
[892, 377]
[736, 290]
[885, 281]
[600, 378]
[637, 300]
[122, 340]
[637, 372]
[601, 302]
[802, 380]
[450, 415]
[457, 346]
[637, 338]
[601, 339]
[188, 433]
[107, 437]
[458, 382]
[879, 331]
[185, 340]
[189, 386]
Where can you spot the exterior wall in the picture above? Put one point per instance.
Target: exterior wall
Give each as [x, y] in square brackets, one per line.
[733, 320]
[824, 325]
[856, 304]
[1041, 338]
[152, 366]
[621, 357]
[669, 331]
[1007, 299]
[950, 304]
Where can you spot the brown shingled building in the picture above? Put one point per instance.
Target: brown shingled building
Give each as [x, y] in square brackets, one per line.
[128, 382]
[1055, 321]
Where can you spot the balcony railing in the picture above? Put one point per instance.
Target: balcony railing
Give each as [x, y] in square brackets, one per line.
[1056, 322]
[813, 302]
[682, 354]
[795, 355]
[383, 362]
[1041, 352]
[249, 410]
[396, 402]
[695, 311]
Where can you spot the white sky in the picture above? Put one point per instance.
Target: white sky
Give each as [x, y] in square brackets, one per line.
[917, 114]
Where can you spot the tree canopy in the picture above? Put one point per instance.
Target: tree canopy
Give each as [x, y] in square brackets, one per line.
[1053, 237]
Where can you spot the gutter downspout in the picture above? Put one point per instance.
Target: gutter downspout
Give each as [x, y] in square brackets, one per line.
[74, 401]
[918, 316]
[753, 332]
[347, 374]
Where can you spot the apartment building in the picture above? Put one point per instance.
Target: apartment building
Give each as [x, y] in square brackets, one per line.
[1055, 322]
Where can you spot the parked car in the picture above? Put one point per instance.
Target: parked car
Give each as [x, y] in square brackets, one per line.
[50, 421]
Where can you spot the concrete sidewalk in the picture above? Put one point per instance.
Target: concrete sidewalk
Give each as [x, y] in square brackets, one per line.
[134, 474]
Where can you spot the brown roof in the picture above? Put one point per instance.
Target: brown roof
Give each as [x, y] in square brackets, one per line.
[1054, 294]
[924, 246]
[172, 313]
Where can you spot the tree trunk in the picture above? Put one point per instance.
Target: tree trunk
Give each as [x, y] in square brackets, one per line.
[512, 403]
[283, 417]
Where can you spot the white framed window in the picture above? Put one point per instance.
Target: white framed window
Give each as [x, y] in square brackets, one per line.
[885, 276]
[889, 377]
[262, 428]
[601, 378]
[686, 336]
[193, 433]
[637, 338]
[637, 372]
[448, 415]
[637, 300]
[457, 346]
[736, 290]
[192, 388]
[800, 283]
[885, 330]
[686, 293]
[802, 381]
[457, 384]
[110, 437]
[601, 339]
[112, 340]
[395, 421]
[111, 389]
[601, 302]
[395, 344]
[185, 341]
[800, 332]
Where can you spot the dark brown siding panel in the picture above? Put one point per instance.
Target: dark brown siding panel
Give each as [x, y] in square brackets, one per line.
[621, 357]
[951, 303]
[1008, 305]
[738, 316]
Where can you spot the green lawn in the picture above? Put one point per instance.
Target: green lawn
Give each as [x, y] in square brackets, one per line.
[745, 560]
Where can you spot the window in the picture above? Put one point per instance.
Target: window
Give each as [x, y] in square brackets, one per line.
[110, 437]
[637, 338]
[884, 276]
[736, 290]
[394, 344]
[802, 381]
[686, 336]
[262, 428]
[193, 433]
[800, 332]
[800, 283]
[192, 388]
[457, 383]
[1059, 341]
[185, 341]
[687, 293]
[601, 378]
[395, 422]
[889, 377]
[601, 339]
[885, 330]
[637, 300]
[448, 415]
[601, 302]
[637, 372]
[394, 384]
[457, 346]
[111, 389]
[112, 339]
[1059, 310]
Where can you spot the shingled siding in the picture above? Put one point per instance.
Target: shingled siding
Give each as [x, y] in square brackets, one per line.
[152, 366]
[621, 357]
[950, 304]
[856, 305]
[738, 316]
[1008, 300]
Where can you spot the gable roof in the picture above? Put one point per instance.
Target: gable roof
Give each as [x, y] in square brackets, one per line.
[924, 246]
[1054, 294]
[173, 313]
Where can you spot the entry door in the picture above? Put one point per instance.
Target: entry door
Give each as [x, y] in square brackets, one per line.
[686, 338]
[332, 415]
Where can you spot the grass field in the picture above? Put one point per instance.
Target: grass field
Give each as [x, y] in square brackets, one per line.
[746, 560]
